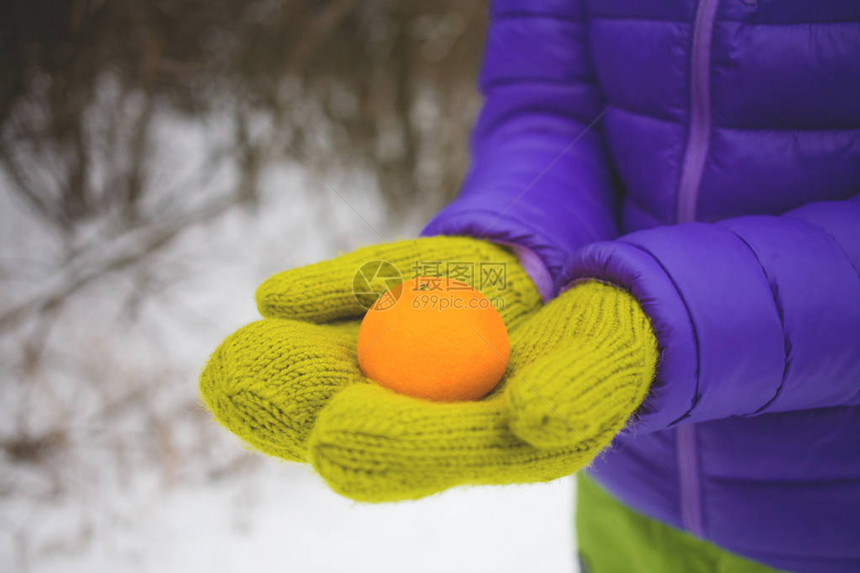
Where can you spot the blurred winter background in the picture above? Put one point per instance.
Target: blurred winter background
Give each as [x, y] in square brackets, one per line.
[157, 161]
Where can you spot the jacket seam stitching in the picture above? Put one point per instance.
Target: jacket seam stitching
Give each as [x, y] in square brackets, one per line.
[779, 311]
[499, 123]
[584, 80]
[779, 24]
[515, 15]
[639, 19]
[718, 127]
[639, 204]
[630, 110]
[696, 396]
[500, 216]
[831, 237]
[720, 21]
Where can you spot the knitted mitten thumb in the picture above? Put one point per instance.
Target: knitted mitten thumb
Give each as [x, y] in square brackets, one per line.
[584, 367]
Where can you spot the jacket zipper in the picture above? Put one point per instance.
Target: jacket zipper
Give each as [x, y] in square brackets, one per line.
[688, 473]
[691, 174]
[700, 112]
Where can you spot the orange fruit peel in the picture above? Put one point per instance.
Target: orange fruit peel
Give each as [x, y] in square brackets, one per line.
[434, 338]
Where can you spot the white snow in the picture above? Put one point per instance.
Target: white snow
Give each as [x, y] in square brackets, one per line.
[140, 479]
[281, 517]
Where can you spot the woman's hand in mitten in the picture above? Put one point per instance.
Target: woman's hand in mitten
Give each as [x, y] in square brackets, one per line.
[267, 382]
[290, 385]
[580, 366]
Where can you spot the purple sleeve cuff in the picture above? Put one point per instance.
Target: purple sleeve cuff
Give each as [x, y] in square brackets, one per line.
[539, 257]
[753, 315]
[534, 267]
[720, 340]
[673, 392]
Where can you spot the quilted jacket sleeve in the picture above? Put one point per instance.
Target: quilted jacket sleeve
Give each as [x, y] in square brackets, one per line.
[755, 314]
[539, 177]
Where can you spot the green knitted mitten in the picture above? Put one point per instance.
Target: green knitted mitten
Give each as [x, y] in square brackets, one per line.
[579, 368]
[267, 381]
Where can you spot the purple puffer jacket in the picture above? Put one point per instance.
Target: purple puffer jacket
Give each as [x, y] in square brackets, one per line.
[606, 130]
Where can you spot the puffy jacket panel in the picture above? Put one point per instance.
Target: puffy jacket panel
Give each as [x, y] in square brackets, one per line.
[705, 155]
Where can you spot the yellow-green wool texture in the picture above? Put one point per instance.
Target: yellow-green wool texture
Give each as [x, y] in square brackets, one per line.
[289, 385]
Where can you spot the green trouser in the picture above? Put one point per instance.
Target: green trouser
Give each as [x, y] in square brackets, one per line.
[613, 538]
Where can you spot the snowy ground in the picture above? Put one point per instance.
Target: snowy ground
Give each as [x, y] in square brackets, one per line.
[121, 468]
[282, 518]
